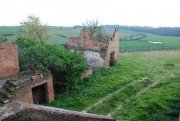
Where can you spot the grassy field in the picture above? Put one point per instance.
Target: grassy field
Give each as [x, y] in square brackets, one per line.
[168, 42]
[11, 30]
[143, 87]
[56, 33]
[60, 35]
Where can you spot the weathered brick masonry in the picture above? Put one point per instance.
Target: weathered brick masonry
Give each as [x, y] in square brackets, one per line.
[36, 89]
[19, 86]
[113, 48]
[97, 54]
[31, 88]
[9, 64]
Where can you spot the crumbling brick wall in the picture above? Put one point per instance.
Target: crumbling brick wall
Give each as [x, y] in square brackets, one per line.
[24, 94]
[21, 89]
[113, 47]
[18, 87]
[9, 65]
[88, 42]
[97, 54]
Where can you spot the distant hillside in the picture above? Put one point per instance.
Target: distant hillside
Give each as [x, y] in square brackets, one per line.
[131, 38]
[59, 35]
[164, 31]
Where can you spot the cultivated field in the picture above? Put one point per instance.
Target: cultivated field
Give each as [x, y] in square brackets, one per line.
[60, 35]
[167, 42]
[143, 87]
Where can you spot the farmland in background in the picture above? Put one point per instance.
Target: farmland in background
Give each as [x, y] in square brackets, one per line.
[167, 42]
[130, 40]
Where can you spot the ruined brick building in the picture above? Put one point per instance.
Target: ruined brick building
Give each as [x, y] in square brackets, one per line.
[19, 90]
[20, 86]
[97, 54]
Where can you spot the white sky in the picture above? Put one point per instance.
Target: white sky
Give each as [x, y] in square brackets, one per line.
[74, 12]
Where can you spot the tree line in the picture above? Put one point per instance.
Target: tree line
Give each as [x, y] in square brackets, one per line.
[164, 31]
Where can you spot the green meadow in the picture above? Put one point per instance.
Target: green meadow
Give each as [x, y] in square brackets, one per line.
[143, 87]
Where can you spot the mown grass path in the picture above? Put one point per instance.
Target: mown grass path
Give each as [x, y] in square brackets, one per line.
[134, 97]
[111, 94]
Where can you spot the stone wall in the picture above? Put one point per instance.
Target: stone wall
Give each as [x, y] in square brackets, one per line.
[9, 65]
[18, 111]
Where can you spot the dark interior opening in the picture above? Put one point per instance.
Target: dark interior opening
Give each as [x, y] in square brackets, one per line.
[58, 78]
[40, 94]
[112, 61]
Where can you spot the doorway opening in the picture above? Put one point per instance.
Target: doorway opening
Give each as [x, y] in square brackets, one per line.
[112, 61]
[40, 94]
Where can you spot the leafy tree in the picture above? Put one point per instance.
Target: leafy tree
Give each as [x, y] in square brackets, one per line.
[34, 30]
[96, 31]
[92, 26]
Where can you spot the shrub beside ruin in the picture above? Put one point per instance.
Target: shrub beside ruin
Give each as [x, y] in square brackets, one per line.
[66, 67]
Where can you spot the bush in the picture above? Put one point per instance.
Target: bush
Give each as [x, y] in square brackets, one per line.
[66, 67]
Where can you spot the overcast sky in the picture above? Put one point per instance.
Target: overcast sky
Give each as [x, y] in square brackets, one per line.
[74, 12]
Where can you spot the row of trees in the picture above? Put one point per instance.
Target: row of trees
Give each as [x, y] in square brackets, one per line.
[165, 31]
